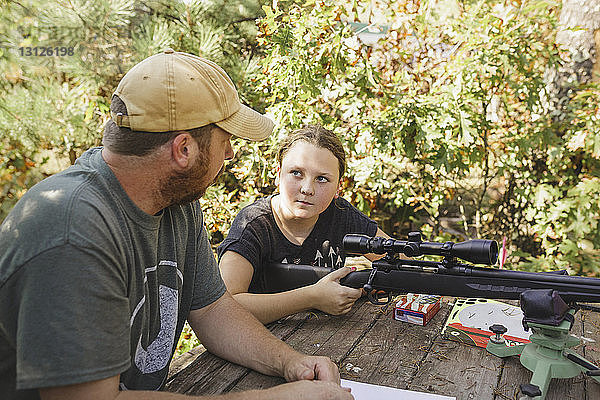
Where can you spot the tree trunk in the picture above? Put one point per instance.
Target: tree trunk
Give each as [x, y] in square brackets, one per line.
[579, 35]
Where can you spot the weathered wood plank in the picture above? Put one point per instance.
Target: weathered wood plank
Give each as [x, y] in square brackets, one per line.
[590, 322]
[181, 362]
[391, 352]
[457, 369]
[369, 346]
[334, 336]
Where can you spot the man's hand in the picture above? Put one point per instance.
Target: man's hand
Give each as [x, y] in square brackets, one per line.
[332, 297]
[303, 367]
[315, 378]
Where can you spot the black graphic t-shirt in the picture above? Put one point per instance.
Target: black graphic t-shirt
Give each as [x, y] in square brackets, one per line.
[255, 235]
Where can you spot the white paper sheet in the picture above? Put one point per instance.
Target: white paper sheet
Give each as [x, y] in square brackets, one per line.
[366, 391]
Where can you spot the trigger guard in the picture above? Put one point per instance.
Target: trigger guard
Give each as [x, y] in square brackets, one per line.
[376, 299]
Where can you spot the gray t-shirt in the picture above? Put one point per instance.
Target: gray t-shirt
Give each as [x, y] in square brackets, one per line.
[91, 286]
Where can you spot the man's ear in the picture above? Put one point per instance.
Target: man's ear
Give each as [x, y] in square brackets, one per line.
[183, 148]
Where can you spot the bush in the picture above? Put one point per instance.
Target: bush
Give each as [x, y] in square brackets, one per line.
[446, 121]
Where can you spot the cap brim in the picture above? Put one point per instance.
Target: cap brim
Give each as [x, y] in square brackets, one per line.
[247, 124]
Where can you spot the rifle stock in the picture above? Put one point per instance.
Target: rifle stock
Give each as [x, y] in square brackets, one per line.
[284, 277]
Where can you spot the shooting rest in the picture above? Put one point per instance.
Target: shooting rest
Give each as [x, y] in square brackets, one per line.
[548, 356]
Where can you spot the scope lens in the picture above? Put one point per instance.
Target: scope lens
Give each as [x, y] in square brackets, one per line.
[356, 244]
[493, 252]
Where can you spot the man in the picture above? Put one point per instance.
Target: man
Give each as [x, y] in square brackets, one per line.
[101, 264]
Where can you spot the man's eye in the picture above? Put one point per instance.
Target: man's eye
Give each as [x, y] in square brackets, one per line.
[322, 179]
[295, 173]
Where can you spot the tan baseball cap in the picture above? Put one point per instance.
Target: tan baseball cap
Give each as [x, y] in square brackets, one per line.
[173, 91]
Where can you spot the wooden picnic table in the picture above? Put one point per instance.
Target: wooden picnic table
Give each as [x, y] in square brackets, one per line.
[370, 346]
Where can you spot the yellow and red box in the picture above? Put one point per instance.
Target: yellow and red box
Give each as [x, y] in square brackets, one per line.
[416, 308]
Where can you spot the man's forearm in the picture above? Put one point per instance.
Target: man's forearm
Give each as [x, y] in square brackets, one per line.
[228, 330]
[147, 395]
[108, 389]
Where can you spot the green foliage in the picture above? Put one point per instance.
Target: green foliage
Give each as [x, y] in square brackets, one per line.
[565, 209]
[445, 119]
[187, 340]
[316, 72]
[47, 117]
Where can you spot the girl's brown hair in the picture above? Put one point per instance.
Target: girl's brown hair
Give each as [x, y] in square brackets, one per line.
[317, 136]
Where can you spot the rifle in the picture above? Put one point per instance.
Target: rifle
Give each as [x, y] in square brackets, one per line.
[392, 275]
[543, 295]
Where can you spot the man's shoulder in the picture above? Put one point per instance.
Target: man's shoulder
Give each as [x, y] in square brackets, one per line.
[50, 214]
[51, 199]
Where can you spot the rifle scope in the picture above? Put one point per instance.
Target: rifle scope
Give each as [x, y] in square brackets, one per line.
[477, 251]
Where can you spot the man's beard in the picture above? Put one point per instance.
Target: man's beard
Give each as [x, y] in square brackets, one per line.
[184, 187]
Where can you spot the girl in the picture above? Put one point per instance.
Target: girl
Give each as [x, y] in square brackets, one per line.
[303, 224]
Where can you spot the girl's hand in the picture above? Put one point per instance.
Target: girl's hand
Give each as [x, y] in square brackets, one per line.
[332, 297]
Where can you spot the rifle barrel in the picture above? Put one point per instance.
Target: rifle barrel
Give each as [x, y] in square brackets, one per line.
[536, 276]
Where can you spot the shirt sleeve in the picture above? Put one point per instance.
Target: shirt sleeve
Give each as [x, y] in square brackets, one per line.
[357, 222]
[244, 238]
[62, 296]
[208, 285]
